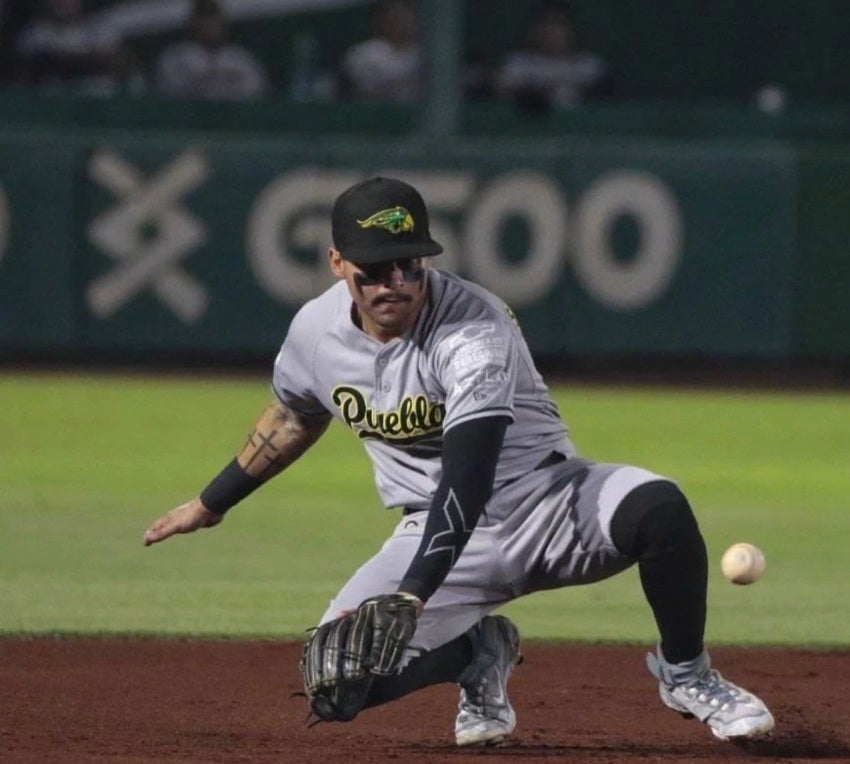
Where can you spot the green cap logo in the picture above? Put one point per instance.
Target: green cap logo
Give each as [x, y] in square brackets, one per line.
[394, 220]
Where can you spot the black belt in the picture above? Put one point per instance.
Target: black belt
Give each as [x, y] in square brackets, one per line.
[554, 457]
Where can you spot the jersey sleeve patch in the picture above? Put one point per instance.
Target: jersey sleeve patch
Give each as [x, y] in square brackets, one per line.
[476, 347]
[479, 373]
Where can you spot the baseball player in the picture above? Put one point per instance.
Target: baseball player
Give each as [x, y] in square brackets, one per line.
[432, 374]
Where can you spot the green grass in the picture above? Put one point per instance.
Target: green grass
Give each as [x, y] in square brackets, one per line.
[86, 462]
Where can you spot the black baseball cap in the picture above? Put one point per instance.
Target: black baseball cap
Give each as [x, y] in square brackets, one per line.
[381, 219]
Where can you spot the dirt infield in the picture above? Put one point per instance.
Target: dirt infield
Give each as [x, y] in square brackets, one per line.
[87, 701]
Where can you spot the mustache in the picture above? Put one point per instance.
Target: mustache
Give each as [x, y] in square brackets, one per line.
[394, 297]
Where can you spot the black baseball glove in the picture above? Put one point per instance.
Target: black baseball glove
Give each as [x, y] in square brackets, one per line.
[341, 657]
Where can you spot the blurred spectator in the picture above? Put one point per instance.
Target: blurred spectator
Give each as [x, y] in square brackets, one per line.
[388, 66]
[4, 42]
[63, 48]
[206, 65]
[550, 71]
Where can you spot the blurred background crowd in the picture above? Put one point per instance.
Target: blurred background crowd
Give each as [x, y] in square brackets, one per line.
[536, 55]
[193, 50]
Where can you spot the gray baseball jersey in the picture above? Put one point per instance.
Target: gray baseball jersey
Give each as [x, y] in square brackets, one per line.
[465, 358]
[547, 523]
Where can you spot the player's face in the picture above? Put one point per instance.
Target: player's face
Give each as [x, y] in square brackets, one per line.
[388, 296]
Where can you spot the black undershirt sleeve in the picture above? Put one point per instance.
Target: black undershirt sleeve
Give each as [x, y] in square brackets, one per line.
[470, 453]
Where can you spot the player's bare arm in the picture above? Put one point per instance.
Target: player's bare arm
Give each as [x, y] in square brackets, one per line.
[278, 438]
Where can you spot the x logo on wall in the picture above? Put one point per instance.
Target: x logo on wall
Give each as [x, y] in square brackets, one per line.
[148, 233]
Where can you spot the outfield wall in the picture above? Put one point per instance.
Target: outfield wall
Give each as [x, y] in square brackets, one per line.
[147, 240]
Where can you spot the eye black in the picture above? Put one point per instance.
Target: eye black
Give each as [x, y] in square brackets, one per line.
[378, 273]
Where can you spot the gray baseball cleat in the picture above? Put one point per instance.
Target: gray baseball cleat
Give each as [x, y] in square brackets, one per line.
[696, 690]
[485, 715]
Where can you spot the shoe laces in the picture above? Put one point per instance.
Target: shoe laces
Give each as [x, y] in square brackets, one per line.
[476, 695]
[713, 690]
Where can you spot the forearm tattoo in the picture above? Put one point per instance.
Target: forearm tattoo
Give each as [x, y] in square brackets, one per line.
[279, 437]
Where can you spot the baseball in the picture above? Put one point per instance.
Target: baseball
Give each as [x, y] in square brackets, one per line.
[742, 563]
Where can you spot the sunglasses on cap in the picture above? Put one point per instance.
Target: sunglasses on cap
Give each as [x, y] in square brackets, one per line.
[371, 274]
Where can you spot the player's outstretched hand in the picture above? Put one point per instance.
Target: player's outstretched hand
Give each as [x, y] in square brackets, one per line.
[186, 518]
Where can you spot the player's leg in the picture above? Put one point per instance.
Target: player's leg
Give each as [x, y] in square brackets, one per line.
[474, 587]
[443, 664]
[612, 516]
[654, 525]
[455, 639]
[480, 661]
[596, 520]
